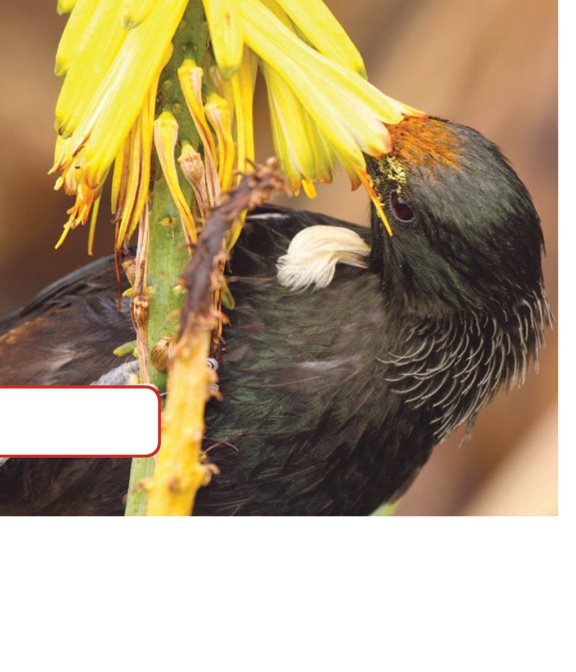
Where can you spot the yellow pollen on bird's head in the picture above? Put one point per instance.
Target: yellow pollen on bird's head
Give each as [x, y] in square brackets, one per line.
[389, 171]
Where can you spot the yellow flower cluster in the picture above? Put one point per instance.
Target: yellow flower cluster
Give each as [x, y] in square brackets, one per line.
[111, 54]
[323, 110]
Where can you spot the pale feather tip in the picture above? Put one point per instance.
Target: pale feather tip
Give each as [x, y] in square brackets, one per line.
[313, 254]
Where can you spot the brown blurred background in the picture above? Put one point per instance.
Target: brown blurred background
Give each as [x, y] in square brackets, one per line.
[491, 64]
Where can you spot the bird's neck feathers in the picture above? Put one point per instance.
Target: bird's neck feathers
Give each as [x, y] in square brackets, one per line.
[462, 329]
[448, 365]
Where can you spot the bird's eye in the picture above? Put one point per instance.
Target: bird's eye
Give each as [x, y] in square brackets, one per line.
[401, 208]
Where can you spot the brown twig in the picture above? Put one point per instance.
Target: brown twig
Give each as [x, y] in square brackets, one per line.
[180, 466]
[201, 274]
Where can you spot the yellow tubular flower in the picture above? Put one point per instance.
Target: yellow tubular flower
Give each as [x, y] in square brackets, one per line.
[101, 110]
[78, 89]
[92, 229]
[120, 177]
[147, 132]
[225, 33]
[321, 28]
[115, 105]
[65, 6]
[366, 180]
[243, 84]
[131, 177]
[324, 156]
[298, 141]
[323, 110]
[309, 188]
[288, 121]
[165, 138]
[346, 108]
[192, 168]
[190, 77]
[218, 114]
[72, 37]
[135, 11]
[223, 87]
[131, 163]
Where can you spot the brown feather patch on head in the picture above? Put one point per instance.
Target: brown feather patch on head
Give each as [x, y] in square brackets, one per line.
[419, 140]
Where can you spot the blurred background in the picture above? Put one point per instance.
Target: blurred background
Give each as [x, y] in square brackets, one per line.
[491, 64]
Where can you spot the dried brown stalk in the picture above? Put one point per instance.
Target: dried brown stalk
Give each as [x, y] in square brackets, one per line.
[181, 467]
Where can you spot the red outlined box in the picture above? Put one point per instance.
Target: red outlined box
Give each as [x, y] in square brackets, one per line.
[79, 421]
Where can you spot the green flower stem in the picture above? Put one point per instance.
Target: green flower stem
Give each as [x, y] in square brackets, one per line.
[386, 510]
[141, 469]
[167, 257]
[168, 251]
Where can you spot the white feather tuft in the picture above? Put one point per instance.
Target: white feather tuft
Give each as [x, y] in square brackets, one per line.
[313, 253]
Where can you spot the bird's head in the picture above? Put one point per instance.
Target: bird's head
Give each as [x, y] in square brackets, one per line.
[466, 234]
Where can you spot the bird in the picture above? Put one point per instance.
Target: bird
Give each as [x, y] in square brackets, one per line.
[350, 353]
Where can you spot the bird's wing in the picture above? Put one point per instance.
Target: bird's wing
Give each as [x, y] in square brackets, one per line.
[290, 367]
[67, 333]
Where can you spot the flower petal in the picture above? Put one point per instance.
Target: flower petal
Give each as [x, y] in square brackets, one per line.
[65, 6]
[346, 108]
[322, 29]
[190, 77]
[165, 138]
[118, 100]
[293, 143]
[131, 178]
[71, 39]
[219, 115]
[95, 51]
[135, 11]
[243, 84]
[225, 33]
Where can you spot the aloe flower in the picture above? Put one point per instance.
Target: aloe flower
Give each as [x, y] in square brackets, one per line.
[323, 110]
[111, 62]
[158, 96]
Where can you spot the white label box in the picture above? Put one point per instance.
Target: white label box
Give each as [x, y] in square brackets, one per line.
[79, 421]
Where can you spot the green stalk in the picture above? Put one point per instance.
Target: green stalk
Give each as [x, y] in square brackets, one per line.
[168, 252]
[167, 257]
[141, 469]
[386, 509]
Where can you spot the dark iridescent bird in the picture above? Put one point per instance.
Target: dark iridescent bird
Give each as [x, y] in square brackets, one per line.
[335, 389]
